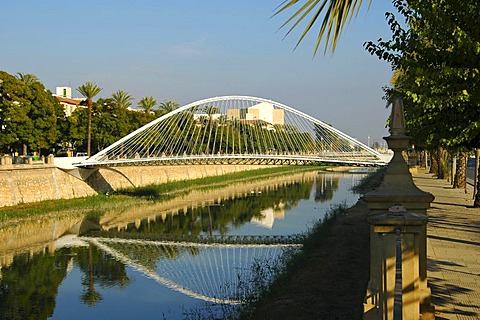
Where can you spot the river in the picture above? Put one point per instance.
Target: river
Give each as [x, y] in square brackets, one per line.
[195, 256]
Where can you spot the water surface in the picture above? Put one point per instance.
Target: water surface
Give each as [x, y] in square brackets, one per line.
[194, 256]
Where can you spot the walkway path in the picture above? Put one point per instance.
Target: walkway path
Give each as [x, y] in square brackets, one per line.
[453, 249]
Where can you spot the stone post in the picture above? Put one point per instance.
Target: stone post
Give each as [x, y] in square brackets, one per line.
[398, 189]
[49, 159]
[6, 160]
[385, 227]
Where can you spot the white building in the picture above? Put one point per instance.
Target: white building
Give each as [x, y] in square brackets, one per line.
[263, 111]
[64, 96]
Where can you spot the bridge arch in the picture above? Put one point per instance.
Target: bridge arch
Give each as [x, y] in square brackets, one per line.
[236, 129]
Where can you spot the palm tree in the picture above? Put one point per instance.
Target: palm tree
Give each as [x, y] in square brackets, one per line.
[211, 110]
[27, 78]
[89, 90]
[122, 99]
[336, 14]
[168, 106]
[147, 103]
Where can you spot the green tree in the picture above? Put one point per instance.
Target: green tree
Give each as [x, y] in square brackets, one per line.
[438, 61]
[137, 119]
[167, 106]
[46, 112]
[122, 99]
[111, 122]
[27, 78]
[28, 115]
[89, 90]
[147, 103]
[77, 125]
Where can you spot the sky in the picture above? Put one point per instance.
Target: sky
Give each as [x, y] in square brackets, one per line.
[195, 49]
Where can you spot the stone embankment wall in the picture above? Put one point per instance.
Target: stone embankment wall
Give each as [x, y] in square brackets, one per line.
[37, 181]
[114, 178]
[42, 180]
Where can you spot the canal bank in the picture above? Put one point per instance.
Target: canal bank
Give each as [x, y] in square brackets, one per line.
[26, 183]
[134, 196]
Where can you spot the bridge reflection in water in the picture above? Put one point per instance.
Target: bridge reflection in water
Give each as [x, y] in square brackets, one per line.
[230, 257]
[210, 272]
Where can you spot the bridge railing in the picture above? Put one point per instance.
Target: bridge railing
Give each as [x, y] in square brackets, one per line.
[301, 158]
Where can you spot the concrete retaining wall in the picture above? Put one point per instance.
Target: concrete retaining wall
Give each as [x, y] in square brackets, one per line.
[30, 183]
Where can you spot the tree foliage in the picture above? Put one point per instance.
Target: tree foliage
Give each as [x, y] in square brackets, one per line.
[122, 99]
[336, 14]
[110, 122]
[167, 106]
[28, 114]
[27, 78]
[89, 90]
[437, 58]
[147, 103]
[31, 116]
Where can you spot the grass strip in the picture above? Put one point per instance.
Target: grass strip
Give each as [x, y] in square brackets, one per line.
[156, 192]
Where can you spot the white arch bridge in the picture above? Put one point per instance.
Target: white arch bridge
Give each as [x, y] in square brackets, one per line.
[236, 130]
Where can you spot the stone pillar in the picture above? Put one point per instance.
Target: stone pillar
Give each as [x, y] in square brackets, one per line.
[384, 227]
[6, 160]
[398, 189]
[49, 159]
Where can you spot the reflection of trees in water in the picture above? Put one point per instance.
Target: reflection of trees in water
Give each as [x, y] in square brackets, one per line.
[219, 218]
[98, 268]
[29, 286]
[325, 187]
[191, 223]
[90, 296]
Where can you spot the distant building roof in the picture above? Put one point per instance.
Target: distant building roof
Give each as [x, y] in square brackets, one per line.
[69, 100]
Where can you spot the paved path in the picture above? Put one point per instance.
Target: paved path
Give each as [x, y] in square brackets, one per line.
[453, 249]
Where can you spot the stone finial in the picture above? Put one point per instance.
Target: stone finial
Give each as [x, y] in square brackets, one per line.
[397, 119]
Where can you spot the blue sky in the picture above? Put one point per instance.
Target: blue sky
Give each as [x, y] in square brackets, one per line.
[190, 50]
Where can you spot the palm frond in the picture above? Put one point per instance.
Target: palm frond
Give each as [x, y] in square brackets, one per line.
[336, 14]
